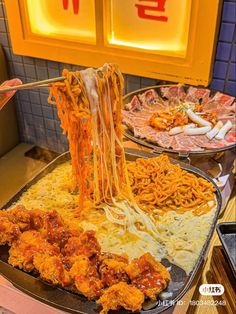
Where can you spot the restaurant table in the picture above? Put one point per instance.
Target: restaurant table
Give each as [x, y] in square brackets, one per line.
[19, 303]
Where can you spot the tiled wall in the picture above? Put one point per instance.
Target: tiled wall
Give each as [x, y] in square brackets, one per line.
[224, 75]
[38, 121]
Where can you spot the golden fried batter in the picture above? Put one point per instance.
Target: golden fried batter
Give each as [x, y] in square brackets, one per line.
[53, 227]
[8, 231]
[17, 215]
[86, 244]
[121, 295]
[41, 241]
[148, 275]
[86, 277]
[49, 224]
[51, 269]
[22, 251]
[112, 268]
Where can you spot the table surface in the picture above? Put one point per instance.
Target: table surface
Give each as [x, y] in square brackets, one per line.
[229, 214]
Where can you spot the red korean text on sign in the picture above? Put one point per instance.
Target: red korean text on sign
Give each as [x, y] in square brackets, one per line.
[143, 8]
[75, 4]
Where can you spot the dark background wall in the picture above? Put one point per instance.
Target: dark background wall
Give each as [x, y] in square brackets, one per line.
[38, 121]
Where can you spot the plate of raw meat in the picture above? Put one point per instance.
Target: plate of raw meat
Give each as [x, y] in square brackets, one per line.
[181, 119]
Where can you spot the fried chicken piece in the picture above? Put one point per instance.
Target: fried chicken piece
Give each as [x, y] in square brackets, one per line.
[112, 268]
[121, 295]
[22, 251]
[148, 275]
[37, 219]
[8, 231]
[86, 244]
[18, 215]
[86, 277]
[51, 269]
[52, 226]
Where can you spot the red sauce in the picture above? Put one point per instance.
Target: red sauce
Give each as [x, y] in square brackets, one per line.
[148, 280]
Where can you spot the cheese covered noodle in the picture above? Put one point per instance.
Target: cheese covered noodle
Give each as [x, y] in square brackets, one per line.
[182, 235]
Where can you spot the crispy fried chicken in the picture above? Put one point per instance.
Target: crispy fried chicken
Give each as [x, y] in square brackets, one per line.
[85, 244]
[55, 230]
[8, 231]
[112, 268]
[86, 277]
[22, 251]
[41, 241]
[51, 269]
[121, 295]
[148, 275]
[49, 224]
[19, 216]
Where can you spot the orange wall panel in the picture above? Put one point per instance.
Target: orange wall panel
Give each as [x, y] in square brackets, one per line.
[165, 39]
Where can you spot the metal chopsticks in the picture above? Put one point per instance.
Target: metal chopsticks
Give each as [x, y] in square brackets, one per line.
[38, 84]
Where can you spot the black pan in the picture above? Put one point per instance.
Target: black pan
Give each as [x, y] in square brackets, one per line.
[155, 147]
[74, 303]
[227, 234]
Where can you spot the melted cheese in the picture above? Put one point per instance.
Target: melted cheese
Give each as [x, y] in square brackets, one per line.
[181, 236]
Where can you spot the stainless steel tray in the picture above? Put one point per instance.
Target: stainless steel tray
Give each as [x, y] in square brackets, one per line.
[73, 303]
[158, 149]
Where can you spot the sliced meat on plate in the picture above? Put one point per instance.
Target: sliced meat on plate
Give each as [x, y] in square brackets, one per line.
[144, 132]
[149, 97]
[223, 99]
[135, 104]
[163, 139]
[137, 114]
[219, 109]
[195, 95]
[230, 138]
[173, 92]
[185, 142]
[200, 140]
[128, 119]
[214, 143]
[154, 108]
[204, 142]
[150, 134]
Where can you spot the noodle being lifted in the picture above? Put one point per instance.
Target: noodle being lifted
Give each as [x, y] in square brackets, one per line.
[89, 105]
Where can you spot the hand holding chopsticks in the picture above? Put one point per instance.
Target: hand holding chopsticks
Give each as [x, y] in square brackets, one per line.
[11, 84]
[38, 84]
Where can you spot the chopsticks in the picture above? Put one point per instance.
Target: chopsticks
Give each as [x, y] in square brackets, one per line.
[38, 84]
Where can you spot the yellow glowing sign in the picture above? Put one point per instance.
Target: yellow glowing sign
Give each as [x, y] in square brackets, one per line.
[157, 25]
[57, 18]
[170, 40]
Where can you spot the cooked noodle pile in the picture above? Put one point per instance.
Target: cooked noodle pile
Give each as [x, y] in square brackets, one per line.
[89, 106]
[162, 186]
